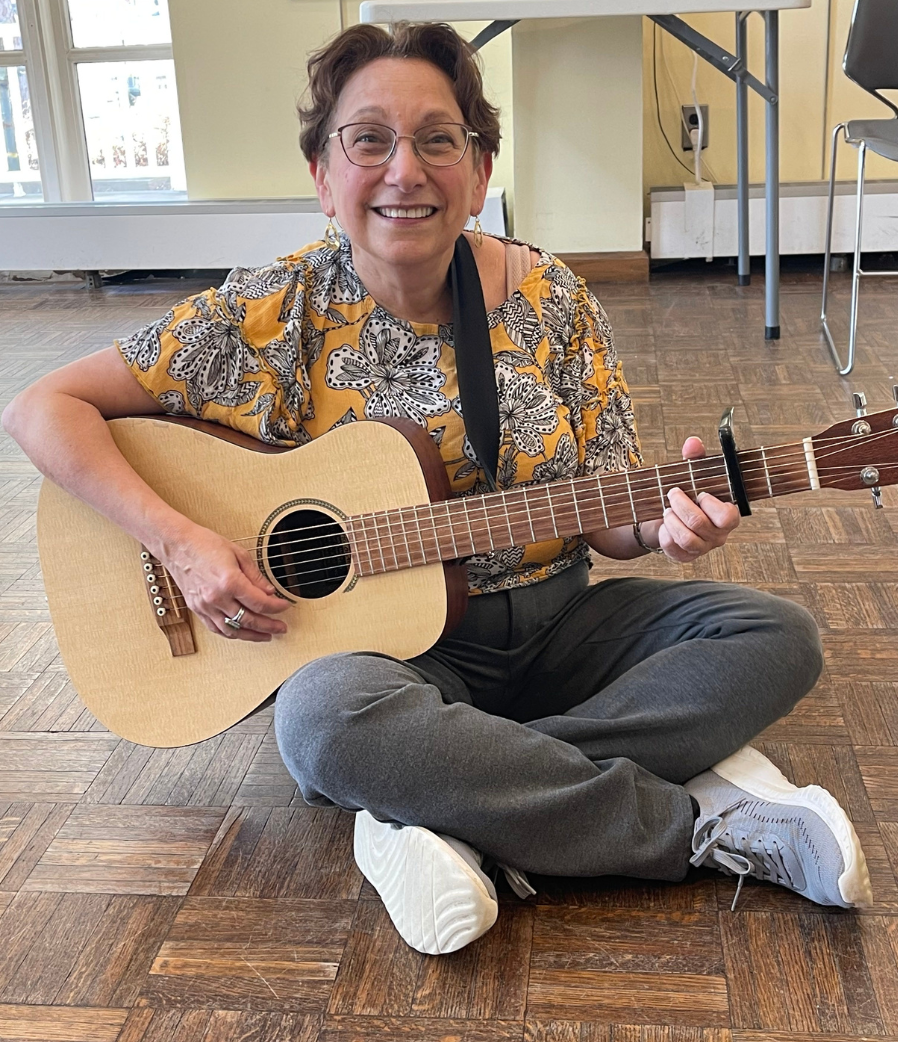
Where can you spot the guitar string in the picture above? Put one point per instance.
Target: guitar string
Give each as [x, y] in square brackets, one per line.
[342, 555]
[634, 481]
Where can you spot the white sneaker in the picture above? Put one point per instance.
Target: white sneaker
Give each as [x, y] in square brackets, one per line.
[432, 886]
[754, 822]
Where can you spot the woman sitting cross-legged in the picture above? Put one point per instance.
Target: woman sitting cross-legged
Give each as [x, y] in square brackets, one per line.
[562, 728]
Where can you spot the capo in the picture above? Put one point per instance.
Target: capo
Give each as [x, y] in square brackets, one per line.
[731, 459]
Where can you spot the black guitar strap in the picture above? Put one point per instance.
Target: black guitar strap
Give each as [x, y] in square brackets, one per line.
[474, 360]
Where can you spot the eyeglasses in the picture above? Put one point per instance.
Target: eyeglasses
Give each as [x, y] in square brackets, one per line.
[372, 144]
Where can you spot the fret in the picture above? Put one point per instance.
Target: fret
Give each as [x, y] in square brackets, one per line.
[692, 478]
[364, 520]
[511, 535]
[380, 545]
[526, 499]
[455, 553]
[660, 486]
[464, 503]
[377, 545]
[551, 510]
[408, 549]
[420, 534]
[602, 500]
[436, 535]
[630, 494]
[482, 538]
[356, 533]
[573, 496]
[766, 471]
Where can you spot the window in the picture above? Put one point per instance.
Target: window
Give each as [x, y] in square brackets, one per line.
[112, 130]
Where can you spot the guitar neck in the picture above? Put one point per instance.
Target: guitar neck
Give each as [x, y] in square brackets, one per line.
[444, 531]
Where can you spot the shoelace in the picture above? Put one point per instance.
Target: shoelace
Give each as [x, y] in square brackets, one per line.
[515, 878]
[764, 860]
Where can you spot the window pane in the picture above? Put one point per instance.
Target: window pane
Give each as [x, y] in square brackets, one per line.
[112, 23]
[20, 178]
[132, 129]
[10, 33]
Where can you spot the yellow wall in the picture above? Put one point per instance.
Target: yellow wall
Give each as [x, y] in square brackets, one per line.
[577, 115]
[240, 69]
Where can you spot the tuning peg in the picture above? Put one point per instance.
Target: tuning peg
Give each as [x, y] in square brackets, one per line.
[860, 403]
[895, 392]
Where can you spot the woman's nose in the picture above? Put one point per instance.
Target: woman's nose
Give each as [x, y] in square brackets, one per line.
[405, 169]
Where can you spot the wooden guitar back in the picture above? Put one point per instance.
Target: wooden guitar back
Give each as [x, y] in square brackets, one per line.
[116, 654]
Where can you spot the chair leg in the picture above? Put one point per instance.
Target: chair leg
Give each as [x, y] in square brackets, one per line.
[856, 274]
[843, 370]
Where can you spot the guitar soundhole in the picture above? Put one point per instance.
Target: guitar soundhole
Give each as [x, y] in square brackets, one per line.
[308, 553]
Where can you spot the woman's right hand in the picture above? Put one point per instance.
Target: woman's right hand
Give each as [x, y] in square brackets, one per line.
[217, 578]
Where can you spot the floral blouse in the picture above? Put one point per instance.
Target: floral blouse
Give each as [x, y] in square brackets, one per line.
[287, 352]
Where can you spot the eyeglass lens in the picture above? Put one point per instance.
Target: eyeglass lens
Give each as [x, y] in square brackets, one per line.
[368, 144]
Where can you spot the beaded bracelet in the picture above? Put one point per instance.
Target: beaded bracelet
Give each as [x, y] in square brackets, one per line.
[637, 535]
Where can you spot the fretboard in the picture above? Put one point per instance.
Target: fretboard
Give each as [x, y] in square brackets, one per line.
[389, 540]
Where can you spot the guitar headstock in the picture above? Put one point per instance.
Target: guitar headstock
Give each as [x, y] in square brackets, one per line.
[859, 453]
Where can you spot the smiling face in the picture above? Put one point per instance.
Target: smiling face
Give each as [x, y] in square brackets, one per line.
[404, 213]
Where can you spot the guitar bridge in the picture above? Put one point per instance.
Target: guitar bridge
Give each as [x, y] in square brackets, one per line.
[168, 604]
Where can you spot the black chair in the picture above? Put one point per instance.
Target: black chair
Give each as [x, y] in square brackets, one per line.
[871, 61]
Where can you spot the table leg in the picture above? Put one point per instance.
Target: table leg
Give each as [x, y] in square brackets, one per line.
[772, 265]
[744, 263]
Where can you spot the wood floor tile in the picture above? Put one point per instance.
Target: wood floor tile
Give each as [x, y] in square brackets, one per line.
[871, 712]
[126, 850]
[53, 1024]
[807, 973]
[283, 852]
[57, 768]
[861, 655]
[26, 830]
[171, 1025]
[592, 1031]
[658, 967]
[80, 949]
[250, 954]
[879, 769]
[417, 1029]
[207, 774]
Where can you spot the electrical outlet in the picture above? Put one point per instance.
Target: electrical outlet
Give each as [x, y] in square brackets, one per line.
[690, 119]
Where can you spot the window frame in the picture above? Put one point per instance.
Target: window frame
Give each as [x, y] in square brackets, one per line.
[50, 57]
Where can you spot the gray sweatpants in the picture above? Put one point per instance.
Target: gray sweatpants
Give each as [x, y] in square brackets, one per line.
[554, 728]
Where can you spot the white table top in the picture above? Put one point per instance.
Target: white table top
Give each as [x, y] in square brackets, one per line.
[489, 10]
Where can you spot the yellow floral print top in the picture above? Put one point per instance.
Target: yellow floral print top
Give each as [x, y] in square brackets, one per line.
[287, 352]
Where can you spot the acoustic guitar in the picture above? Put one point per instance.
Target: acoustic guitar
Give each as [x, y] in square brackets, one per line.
[366, 564]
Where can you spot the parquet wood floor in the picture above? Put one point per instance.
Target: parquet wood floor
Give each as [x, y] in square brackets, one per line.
[189, 895]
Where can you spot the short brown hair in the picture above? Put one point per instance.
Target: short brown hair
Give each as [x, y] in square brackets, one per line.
[436, 42]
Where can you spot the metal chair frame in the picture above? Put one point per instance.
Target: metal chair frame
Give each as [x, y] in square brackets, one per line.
[858, 273]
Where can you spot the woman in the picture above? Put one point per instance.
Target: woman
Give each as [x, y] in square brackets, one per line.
[562, 728]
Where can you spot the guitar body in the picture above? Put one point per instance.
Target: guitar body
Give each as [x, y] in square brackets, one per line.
[118, 656]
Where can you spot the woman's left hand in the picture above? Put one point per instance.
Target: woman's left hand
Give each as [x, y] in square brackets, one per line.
[690, 528]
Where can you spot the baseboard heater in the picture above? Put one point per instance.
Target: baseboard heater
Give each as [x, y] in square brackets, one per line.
[707, 227]
[155, 236]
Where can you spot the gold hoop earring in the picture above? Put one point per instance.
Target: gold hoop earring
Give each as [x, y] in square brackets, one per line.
[478, 231]
[332, 235]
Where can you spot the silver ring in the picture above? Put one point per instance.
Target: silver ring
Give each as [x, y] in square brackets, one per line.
[234, 620]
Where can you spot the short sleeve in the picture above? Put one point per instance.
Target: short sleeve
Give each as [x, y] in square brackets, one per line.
[601, 410]
[231, 355]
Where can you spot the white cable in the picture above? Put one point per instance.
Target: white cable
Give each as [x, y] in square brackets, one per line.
[712, 177]
[697, 147]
